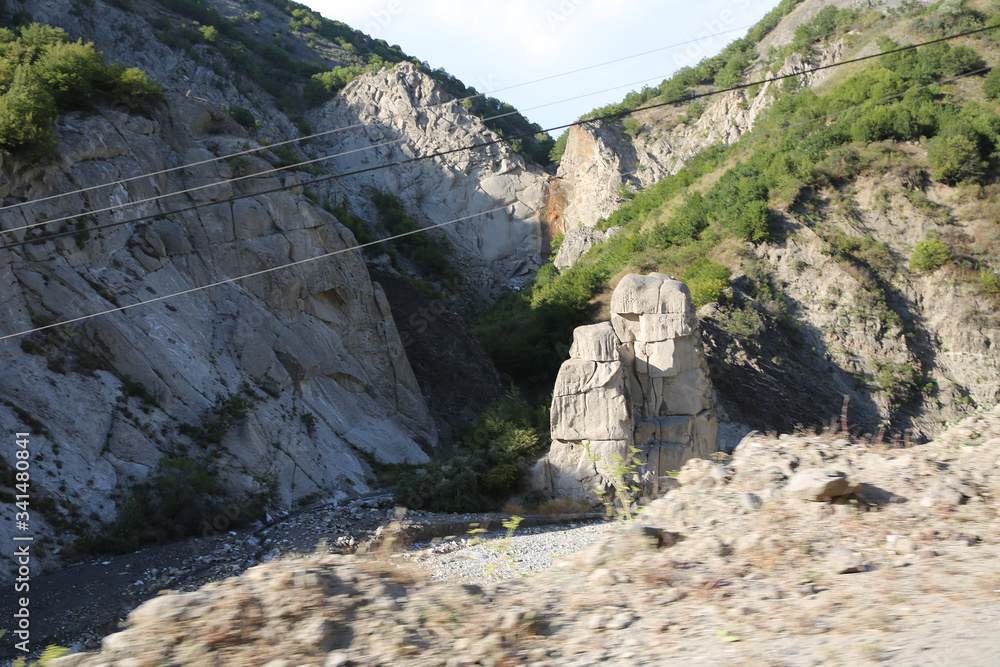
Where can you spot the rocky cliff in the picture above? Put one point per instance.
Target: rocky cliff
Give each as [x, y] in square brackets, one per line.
[829, 306]
[295, 376]
[398, 114]
[602, 161]
[288, 385]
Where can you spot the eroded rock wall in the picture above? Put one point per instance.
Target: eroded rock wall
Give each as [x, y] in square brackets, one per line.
[400, 113]
[313, 348]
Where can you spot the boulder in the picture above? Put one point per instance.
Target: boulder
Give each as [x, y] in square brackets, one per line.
[819, 485]
[575, 245]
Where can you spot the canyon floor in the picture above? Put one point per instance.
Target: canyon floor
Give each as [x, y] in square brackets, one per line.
[807, 549]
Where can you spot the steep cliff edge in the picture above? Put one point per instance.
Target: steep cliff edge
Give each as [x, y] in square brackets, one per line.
[291, 380]
[603, 163]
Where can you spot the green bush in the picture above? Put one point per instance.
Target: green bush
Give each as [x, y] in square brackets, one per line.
[633, 127]
[27, 113]
[559, 147]
[755, 222]
[706, 280]
[496, 458]
[244, 117]
[955, 159]
[227, 411]
[896, 379]
[182, 498]
[930, 255]
[429, 253]
[991, 85]
[989, 282]
[210, 34]
[42, 72]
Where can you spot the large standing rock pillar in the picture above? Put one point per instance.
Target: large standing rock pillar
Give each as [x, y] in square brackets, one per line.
[640, 380]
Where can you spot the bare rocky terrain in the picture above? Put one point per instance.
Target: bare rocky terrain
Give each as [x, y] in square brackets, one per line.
[804, 549]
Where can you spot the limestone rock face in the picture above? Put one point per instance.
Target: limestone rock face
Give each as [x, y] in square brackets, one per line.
[601, 157]
[638, 381]
[403, 114]
[312, 348]
[578, 241]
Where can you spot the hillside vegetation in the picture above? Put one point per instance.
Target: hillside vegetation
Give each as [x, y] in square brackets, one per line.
[42, 73]
[900, 117]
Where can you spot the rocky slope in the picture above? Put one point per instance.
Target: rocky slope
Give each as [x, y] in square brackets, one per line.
[403, 114]
[288, 385]
[602, 157]
[910, 351]
[288, 376]
[383, 117]
[802, 550]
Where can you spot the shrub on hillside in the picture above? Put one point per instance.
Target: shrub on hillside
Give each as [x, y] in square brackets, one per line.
[244, 117]
[498, 452]
[42, 72]
[930, 255]
[989, 282]
[706, 280]
[991, 86]
[27, 113]
[181, 498]
[956, 158]
[755, 222]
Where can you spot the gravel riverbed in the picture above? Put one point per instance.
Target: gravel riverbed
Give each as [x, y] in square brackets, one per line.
[494, 556]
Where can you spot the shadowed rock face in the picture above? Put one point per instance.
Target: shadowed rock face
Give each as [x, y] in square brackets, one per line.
[314, 349]
[638, 381]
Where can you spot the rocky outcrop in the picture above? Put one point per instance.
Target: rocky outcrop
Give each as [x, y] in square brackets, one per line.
[389, 116]
[635, 389]
[601, 157]
[400, 113]
[578, 241]
[310, 354]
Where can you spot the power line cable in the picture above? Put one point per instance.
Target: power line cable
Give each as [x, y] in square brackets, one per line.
[275, 170]
[248, 275]
[428, 228]
[332, 131]
[356, 125]
[604, 117]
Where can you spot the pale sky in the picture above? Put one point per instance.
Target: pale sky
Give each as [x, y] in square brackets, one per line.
[500, 43]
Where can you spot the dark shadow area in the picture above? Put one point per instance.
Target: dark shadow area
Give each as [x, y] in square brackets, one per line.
[455, 375]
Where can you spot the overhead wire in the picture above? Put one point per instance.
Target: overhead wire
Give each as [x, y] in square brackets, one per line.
[252, 274]
[84, 214]
[604, 117]
[440, 225]
[270, 172]
[357, 125]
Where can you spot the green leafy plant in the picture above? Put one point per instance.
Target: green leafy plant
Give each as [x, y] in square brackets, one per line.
[955, 159]
[43, 73]
[502, 547]
[50, 653]
[622, 471]
[494, 463]
[706, 280]
[244, 117]
[930, 255]
[989, 282]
